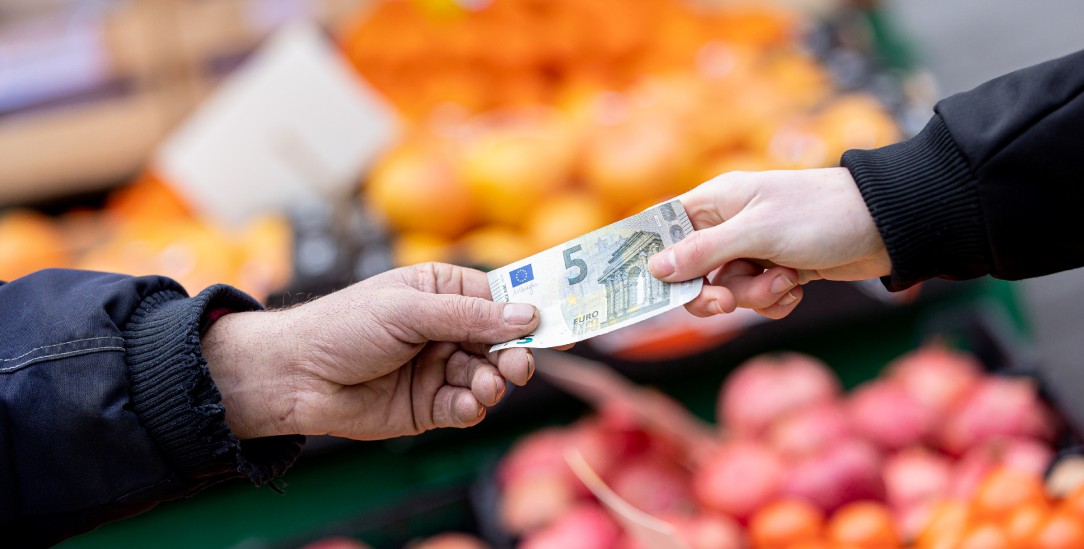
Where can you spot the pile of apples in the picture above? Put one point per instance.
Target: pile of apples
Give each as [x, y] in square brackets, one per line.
[795, 459]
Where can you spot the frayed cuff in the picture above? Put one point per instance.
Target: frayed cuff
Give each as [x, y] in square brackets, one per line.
[175, 398]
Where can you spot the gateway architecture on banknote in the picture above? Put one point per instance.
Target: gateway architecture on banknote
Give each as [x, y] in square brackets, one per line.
[630, 288]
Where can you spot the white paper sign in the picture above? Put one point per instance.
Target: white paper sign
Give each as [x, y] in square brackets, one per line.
[295, 122]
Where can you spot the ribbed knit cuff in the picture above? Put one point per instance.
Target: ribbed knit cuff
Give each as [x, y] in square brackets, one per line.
[923, 199]
[174, 396]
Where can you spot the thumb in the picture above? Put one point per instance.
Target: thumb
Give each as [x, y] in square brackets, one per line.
[703, 251]
[457, 318]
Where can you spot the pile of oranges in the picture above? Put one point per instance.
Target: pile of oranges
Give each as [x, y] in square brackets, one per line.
[1010, 510]
[797, 524]
[534, 121]
[490, 54]
[529, 122]
[146, 229]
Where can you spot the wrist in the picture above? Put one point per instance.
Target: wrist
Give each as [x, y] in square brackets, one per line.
[249, 356]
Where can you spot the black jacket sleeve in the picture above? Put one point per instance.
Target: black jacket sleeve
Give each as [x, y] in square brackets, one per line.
[992, 185]
[106, 404]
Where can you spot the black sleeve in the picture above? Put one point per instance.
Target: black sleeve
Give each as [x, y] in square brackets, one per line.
[992, 185]
[106, 404]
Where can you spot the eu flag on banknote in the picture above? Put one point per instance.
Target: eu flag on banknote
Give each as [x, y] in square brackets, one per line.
[522, 275]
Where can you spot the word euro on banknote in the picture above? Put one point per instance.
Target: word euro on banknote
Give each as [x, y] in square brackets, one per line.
[598, 282]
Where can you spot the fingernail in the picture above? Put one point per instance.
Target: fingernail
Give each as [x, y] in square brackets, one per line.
[661, 264]
[519, 314]
[781, 284]
[787, 300]
[716, 308]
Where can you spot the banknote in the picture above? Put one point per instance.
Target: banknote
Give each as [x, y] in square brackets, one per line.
[599, 282]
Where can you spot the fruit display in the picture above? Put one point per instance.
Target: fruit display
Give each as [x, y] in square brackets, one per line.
[145, 229]
[526, 123]
[934, 452]
[531, 122]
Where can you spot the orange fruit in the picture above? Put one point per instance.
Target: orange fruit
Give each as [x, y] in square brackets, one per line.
[195, 254]
[801, 81]
[734, 161]
[947, 518]
[863, 523]
[1004, 490]
[683, 98]
[1024, 521]
[456, 86]
[510, 160]
[1059, 531]
[856, 121]
[266, 248]
[756, 24]
[786, 522]
[637, 159]
[985, 536]
[415, 247]
[147, 198]
[1073, 503]
[948, 540]
[493, 246]
[811, 544]
[565, 216]
[416, 189]
[84, 230]
[29, 241]
[796, 144]
[117, 256]
[198, 255]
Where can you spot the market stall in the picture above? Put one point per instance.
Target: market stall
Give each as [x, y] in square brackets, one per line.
[291, 148]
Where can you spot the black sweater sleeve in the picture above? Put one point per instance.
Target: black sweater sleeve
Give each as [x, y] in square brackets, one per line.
[992, 185]
[106, 404]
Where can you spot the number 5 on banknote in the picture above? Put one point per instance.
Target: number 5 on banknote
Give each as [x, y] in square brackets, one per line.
[598, 282]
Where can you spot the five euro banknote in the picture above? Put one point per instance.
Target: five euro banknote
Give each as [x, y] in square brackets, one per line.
[599, 282]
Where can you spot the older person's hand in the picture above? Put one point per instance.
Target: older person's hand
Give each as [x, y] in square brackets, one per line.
[397, 354]
[759, 235]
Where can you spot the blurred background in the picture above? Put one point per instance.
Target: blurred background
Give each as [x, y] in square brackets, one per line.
[292, 147]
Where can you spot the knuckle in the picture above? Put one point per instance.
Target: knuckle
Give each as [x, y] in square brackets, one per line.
[475, 318]
[425, 277]
[478, 311]
[458, 368]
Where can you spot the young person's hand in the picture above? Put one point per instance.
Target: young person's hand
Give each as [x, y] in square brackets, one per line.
[759, 235]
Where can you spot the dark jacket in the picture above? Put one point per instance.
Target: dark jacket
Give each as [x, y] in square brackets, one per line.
[993, 185]
[106, 405]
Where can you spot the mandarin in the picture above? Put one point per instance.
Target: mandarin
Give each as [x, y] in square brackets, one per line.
[785, 523]
[416, 188]
[1059, 531]
[864, 523]
[29, 241]
[565, 216]
[1004, 490]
